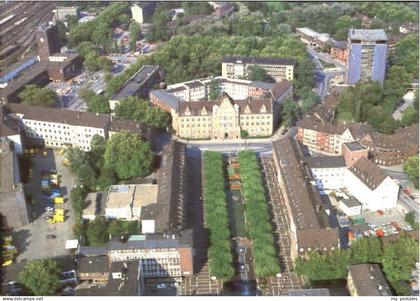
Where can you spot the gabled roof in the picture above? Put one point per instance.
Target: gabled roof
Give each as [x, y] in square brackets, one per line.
[367, 172]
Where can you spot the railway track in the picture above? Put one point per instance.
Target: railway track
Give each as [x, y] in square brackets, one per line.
[21, 37]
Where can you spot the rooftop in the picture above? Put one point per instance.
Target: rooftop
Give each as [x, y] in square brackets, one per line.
[136, 82]
[258, 60]
[120, 196]
[369, 280]
[351, 202]
[57, 115]
[367, 172]
[325, 162]
[310, 292]
[145, 194]
[318, 238]
[369, 35]
[166, 97]
[354, 146]
[94, 265]
[300, 200]
[95, 203]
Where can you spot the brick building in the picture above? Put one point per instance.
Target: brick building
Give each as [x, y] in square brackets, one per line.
[338, 51]
[309, 225]
[353, 151]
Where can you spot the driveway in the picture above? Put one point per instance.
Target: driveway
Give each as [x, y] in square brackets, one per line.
[31, 240]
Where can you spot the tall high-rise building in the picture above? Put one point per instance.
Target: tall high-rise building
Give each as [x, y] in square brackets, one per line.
[367, 55]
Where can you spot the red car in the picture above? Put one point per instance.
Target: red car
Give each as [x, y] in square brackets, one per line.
[380, 212]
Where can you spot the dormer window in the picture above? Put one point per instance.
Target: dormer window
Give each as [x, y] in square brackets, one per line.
[187, 111]
[204, 111]
[263, 109]
[247, 109]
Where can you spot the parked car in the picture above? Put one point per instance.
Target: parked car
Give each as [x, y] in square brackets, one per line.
[50, 236]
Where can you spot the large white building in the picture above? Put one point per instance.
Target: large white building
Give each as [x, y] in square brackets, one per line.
[371, 186]
[363, 180]
[328, 172]
[57, 127]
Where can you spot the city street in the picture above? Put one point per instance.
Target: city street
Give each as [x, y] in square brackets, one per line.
[287, 279]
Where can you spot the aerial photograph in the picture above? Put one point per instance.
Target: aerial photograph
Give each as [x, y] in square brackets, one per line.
[209, 148]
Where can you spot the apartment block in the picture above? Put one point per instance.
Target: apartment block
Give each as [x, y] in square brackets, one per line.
[277, 69]
[309, 224]
[367, 55]
[57, 128]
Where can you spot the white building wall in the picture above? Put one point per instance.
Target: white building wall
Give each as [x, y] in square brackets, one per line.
[329, 178]
[350, 211]
[148, 226]
[385, 196]
[17, 143]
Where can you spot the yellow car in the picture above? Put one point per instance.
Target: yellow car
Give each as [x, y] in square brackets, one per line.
[62, 151]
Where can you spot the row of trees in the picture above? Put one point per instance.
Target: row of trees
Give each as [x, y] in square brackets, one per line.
[397, 258]
[216, 216]
[257, 216]
[368, 101]
[139, 109]
[95, 103]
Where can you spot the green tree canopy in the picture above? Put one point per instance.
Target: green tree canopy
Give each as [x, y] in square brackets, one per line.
[134, 35]
[290, 112]
[97, 232]
[128, 156]
[411, 167]
[214, 90]
[34, 95]
[257, 73]
[138, 109]
[407, 54]
[41, 277]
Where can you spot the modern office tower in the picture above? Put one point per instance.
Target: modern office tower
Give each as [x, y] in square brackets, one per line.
[367, 54]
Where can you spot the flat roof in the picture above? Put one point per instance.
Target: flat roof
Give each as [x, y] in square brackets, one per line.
[145, 194]
[95, 203]
[369, 35]
[354, 146]
[167, 98]
[325, 162]
[120, 196]
[258, 60]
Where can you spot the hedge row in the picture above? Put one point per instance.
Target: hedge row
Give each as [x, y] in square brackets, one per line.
[216, 217]
[256, 212]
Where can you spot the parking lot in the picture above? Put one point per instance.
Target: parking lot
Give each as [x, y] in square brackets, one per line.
[32, 241]
[383, 221]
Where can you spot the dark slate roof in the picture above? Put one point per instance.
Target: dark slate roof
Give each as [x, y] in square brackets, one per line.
[94, 264]
[169, 211]
[354, 146]
[367, 172]
[58, 115]
[136, 81]
[127, 286]
[132, 126]
[259, 60]
[8, 126]
[177, 89]
[300, 199]
[368, 278]
[154, 241]
[280, 88]
[167, 98]
[262, 85]
[325, 162]
[340, 44]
